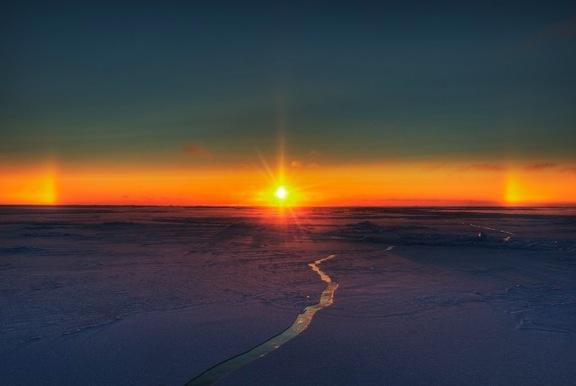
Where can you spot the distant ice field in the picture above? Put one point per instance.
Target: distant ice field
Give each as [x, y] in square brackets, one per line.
[117, 295]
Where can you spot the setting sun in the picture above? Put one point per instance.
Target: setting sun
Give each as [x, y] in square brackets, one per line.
[281, 193]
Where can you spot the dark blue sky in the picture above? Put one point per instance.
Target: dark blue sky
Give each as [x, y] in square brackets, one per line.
[94, 82]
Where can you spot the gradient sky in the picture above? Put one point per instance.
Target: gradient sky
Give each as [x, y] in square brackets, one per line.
[108, 102]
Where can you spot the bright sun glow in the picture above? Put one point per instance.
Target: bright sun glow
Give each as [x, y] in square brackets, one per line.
[281, 193]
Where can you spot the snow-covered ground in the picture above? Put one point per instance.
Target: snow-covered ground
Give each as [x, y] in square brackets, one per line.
[157, 295]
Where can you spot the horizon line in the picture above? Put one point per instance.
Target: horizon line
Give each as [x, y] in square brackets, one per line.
[486, 205]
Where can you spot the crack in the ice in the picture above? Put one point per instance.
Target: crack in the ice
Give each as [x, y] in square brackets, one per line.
[303, 320]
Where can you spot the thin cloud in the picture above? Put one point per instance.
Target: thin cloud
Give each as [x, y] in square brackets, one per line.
[296, 164]
[561, 30]
[541, 166]
[569, 169]
[487, 166]
[196, 150]
[308, 161]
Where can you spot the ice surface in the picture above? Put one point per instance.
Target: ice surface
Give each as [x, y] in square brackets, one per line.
[156, 295]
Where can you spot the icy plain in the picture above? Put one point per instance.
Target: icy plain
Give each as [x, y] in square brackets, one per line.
[158, 295]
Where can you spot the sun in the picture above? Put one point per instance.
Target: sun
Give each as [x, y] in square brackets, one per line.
[281, 193]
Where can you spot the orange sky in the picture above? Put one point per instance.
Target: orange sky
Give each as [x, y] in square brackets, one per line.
[398, 183]
[374, 104]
